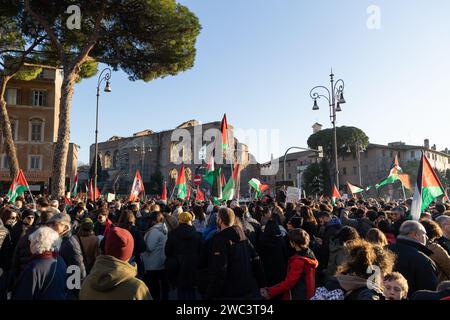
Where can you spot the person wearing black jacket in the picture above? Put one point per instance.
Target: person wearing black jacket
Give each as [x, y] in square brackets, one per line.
[235, 270]
[127, 221]
[183, 248]
[273, 252]
[413, 260]
[70, 249]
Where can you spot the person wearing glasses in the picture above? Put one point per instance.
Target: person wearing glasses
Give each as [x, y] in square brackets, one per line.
[413, 257]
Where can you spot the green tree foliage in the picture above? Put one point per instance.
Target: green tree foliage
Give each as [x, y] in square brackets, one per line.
[316, 179]
[346, 136]
[156, 182]
[147, 39]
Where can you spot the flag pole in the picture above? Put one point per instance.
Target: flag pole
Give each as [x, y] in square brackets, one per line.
[403, 188]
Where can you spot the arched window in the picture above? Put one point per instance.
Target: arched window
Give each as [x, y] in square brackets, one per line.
[108, 160]
[125, 162]
[116, 159]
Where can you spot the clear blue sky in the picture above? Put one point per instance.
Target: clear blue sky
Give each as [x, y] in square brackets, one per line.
[258, 59]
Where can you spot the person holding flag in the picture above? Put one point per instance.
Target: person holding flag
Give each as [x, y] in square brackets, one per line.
[335, 195]
[258, 186]
[428, 188]
[137, 188]
[18, 186]
[75, 186]
[181, 184]
[354, 189]
[164, 194]
[230, 187]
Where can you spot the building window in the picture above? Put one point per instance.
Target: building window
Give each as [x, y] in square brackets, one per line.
[412, 155]
[38, 98]
[35, 163]
[399, 155]
[116, 159]
[125, 162]
[289, 164]
[14, 127]
[344, 171]
[108, 160]
[36, 130]
[355, 170]
[11, 96]
[383, 153]
[391, 154]
[5, 163]
[290, 176]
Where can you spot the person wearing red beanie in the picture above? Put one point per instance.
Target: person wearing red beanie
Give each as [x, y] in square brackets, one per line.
[112, 277]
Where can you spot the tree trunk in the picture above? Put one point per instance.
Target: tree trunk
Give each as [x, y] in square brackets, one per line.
[10, 148]
[62, 144]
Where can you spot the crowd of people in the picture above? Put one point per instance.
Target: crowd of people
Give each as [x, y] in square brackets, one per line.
[185, 250]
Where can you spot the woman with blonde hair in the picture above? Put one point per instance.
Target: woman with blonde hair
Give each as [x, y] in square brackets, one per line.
[375, 236]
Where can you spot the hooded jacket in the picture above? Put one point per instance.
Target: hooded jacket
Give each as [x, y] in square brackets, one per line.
[155, 240]
[235, 270]
[299, 283]
[273, 252]
[113, 279]
[183, 248]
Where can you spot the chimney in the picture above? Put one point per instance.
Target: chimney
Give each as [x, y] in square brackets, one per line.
[316, 127]
[433, 147]
[446, 150]
[426, 143]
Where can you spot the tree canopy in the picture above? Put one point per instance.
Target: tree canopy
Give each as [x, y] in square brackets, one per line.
[346, 137]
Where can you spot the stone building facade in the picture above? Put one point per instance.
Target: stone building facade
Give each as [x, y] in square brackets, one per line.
[149, 152]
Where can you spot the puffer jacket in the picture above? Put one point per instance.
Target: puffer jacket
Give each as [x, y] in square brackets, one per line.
[113, 279]
[299, 283]
[155, 239]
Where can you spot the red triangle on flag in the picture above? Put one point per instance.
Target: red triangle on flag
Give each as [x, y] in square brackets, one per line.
[199, 196]
[335, 193]
[164, 193]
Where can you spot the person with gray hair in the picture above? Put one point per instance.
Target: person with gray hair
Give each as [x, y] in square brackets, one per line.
[444, 223]
[70, 247]
[413, 260]
[44, 277]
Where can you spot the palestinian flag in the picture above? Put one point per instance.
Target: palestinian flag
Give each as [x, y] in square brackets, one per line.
[91, 192]
[395, 166]
[393, 174]
[223, 181]
[224, 130]
[428, 188]
[354, 189]
[335, 195]
[217, 184]
[164, 194]
[258, 186]
[209, 176]
[181, 184]
[404, 178]
[137, 188]
[75, 186]
[18, 186]
[199, 196]
[229, 189]
[188, 195]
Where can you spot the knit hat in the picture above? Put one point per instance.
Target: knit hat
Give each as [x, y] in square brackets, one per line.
[119, 244]
[185, 217]
[27, 213]
[62, 218]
